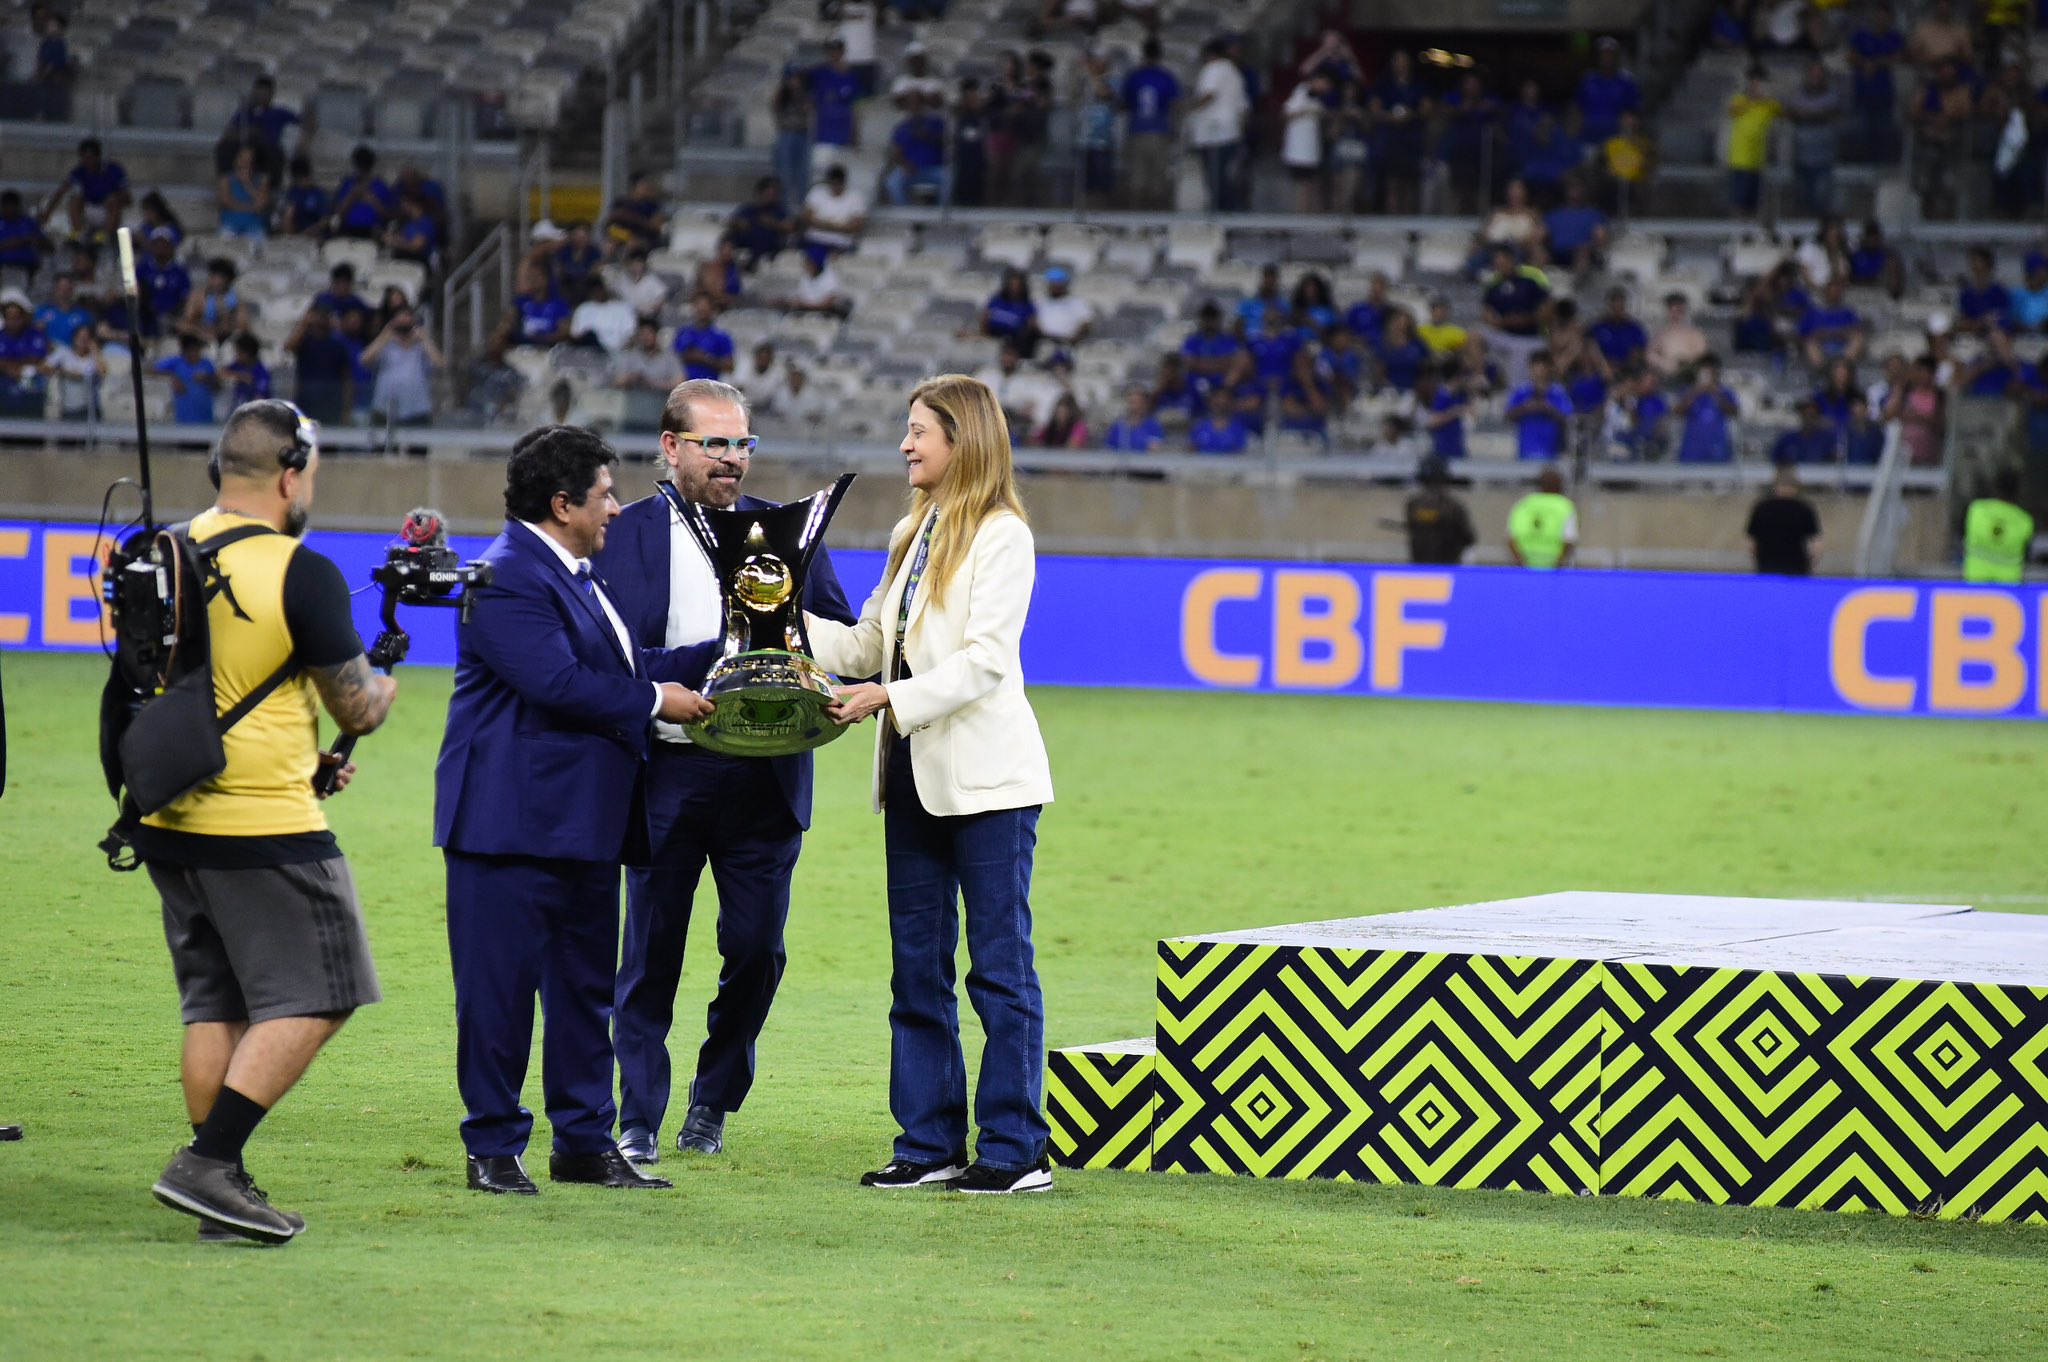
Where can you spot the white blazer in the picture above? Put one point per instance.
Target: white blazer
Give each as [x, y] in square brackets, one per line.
[978, 747]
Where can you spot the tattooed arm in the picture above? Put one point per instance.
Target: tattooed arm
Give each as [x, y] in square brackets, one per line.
[356, 696]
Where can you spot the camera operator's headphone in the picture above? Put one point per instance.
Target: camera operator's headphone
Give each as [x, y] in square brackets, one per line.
[294, 456]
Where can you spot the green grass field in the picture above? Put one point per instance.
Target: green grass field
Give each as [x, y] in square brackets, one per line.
[1178, 813]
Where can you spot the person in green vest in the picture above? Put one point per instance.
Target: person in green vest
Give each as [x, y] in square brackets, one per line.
[1543, 528]
[1996, 532]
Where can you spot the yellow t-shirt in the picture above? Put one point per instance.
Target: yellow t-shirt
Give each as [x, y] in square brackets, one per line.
[1749, 131]
[267, 788]
[1627, 158]
[1441, 340]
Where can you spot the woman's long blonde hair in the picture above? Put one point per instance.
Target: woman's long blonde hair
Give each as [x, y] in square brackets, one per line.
[980, 481]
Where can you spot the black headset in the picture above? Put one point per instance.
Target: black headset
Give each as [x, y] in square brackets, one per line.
[294, 456]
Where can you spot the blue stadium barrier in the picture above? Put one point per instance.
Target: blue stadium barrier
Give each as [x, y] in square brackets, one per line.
[1587, 638]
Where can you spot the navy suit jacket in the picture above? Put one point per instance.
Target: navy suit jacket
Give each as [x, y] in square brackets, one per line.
[549, 723]
[635, 561]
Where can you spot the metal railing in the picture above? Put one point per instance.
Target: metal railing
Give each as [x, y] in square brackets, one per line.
[468, 289]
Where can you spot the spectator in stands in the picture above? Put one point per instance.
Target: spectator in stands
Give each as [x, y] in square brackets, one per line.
[1541, 411]
[243, 196]
[164, 282]
[2027, 305]
[1137, 431]
[1173, 398]
[1814, 110]
[1401, 109]
[62, 317]
[1150, 96]
[1939, 39]
[1834, 329]
[1813, 440]
[22, 242]
[834, 215]
[307, 207]
[801, 403]
[1248, 391]
[363, 202]
[1873, 263]
[1751, 112]
[1824, 255]
[2012, 117]
[637, 218]
[637, 286]
[1269, 296]
[1513, 303]
[1922, 413]
[643, 366]
[411, 235]
[1442, 335]
[1216, 122]
[835, 128]
[1367, 317]
[1471, 120]
[93, 194]
[1520, 122]
[705, 350]
[1401, 356]
[1783, 528]
[352, 329]
[575, 260]
[917, 153]
[1027, 112]
[916, 86]
[1875, 48]
[80, 369]
[1209, 351]
[1707, 410]
[1301, 142]
[1679, 343]
[1221, 430]
[820, 290]
[1575, 232]
[1307, 399]
[1607, 92]
[258, 124]
[719, 277]
[54, 69]
[1863, 440]
[246, 374]
[153, 212]
[217, 311]
[1063, 318]
[1565, 337]
[1640, 415]
[972, 123]
[1350, 147]
[23, 351]
[1010, 315]
[429, 191]
[340, 294]
[1442, 407]
[1064, 426]
[791, 108]
[1621, 338]
[1555, 154]
[600, 321]
[1941, 117]
[856, 39]
[1312, 308]
[1838, 390]
[760, 227]
[1996, 372]
[1627, 161]
[538, 316]
[194, 381]
[1982, 303]
[403, 360]
[1513, 223]
[1543, 527]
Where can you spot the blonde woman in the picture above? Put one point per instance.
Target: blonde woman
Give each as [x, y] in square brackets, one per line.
[960, 776]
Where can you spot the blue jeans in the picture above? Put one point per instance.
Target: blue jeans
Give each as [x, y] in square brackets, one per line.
[984, 858]
[793, 164]
[899, 182]
[1219, 173]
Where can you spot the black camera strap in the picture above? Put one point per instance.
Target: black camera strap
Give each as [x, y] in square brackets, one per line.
[264, 689]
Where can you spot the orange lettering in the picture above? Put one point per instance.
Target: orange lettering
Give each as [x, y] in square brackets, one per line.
[1336, 625]
[1394, 634]
[1952, 646]
[1848, 647]
[64, 586]
[1199, 652]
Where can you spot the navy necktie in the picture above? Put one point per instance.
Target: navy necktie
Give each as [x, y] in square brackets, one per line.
[584, 576]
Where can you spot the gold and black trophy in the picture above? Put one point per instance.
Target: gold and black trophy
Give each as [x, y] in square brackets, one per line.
[771, 695]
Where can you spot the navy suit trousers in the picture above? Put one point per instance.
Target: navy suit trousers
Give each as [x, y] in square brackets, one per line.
[518, 926]
[729, 813]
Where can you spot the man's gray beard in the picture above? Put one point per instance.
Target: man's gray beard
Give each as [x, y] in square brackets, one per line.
[295, 518]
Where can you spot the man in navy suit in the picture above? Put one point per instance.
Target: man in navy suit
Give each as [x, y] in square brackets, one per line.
[537, 801]
[744, 816]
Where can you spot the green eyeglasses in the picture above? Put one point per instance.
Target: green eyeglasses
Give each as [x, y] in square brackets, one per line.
[722, 446]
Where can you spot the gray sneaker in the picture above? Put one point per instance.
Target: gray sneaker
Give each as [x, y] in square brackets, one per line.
[214, 1189]
[213, 1232]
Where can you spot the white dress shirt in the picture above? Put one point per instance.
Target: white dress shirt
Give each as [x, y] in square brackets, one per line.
[693, 601]
[578, 565]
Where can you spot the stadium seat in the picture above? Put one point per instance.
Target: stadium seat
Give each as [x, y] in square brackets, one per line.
[359, 254]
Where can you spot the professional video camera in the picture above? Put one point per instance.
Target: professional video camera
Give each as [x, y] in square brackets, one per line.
[420, 569]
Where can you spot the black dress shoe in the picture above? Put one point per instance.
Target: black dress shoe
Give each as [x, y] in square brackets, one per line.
[703, 1132]
[606, 1168]
[501, 1173]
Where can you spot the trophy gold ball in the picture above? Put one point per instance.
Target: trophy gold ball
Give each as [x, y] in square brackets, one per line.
[763, 583]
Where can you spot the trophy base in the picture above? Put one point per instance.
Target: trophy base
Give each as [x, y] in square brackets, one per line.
[770, 704]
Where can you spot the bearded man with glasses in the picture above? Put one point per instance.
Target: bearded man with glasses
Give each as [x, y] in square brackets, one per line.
[743, 816]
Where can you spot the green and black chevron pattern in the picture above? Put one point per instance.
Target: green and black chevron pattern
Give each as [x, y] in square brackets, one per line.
[1825, 1092]
[1098, 1100]
[1378, 1065]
